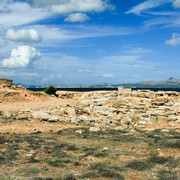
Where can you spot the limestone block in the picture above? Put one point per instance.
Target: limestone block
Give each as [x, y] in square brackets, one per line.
[94, 129]
[126, 120]
[86, 102]
[71, 111]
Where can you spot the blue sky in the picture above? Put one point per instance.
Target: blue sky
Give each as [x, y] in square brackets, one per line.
[89, 41]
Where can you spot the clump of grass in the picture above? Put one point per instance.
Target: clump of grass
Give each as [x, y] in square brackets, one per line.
[106, 170]
[13, 147]
[169, 140]
[172, 162]
[88, 152]
[174, 134]
[113, 131]
[71, 147]
[29, 171]
[2, 159]
[100, 154]
[58, 162]
[40, 178]
[125, 138]
[158, 159]
[139, 165]
[34, 143]
[88, 175]
[2, 140]
[7, 157]
[69, 177]
[167, 175]
[171, 144]
[59, 154]
[32, 159]
[77, 163]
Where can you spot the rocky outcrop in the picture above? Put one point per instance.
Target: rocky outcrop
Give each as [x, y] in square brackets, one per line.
[115, 110]
[6, 82]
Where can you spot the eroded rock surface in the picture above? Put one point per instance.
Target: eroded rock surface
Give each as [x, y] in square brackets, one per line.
[116, 109]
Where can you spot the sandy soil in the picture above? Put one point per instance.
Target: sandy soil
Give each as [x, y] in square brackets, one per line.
[52, 102]
[33, 126]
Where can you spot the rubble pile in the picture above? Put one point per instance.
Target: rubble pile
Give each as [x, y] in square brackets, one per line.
[118, 110]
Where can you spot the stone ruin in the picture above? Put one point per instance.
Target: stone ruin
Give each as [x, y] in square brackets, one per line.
[6, 82]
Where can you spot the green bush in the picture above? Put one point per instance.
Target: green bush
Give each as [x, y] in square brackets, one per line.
[50, 90]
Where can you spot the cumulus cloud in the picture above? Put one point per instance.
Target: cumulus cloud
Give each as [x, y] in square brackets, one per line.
[174, 41]
[77, 17]
[149, 4]
[26, 36]
[70, 6]
[21, 57]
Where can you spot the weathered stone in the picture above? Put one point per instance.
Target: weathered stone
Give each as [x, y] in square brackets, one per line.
[40, 114]
[94, 129]
[58, 112]
[75, 120]
[6, 81]
[71, 111]
[7, 114]
[53, 119]
[126, 120]
[118, 128]
[120, 89]
[86, 102]
[79, 131]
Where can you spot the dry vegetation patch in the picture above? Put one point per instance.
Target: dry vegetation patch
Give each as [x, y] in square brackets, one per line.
[90, 155]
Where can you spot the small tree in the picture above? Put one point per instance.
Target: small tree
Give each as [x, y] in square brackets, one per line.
[50, 90]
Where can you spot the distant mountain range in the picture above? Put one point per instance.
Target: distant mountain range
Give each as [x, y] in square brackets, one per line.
[168, 83]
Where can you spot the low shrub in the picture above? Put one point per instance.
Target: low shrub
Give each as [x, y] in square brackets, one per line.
[56, 163]
[50, 90]
[138, 165]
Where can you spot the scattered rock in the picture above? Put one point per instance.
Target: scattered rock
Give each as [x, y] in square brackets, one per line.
[94, 129]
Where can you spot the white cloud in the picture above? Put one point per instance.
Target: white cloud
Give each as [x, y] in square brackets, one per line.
[84, 70]
[174, 41]
[59, 76]
[149, 4]
[51, 76]
[26, 36]
[108, 75]
[176, 3]
[55, 36]
[21, 57]
[77, 17]
[138, 51]
[7, 73]
[15, 14]
[70, 6]
[28, 74]
[122, 59]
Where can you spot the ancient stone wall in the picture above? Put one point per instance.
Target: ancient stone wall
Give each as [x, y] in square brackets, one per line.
[6, 81]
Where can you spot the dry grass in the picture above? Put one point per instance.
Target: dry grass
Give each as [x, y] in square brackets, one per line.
[90, 155]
